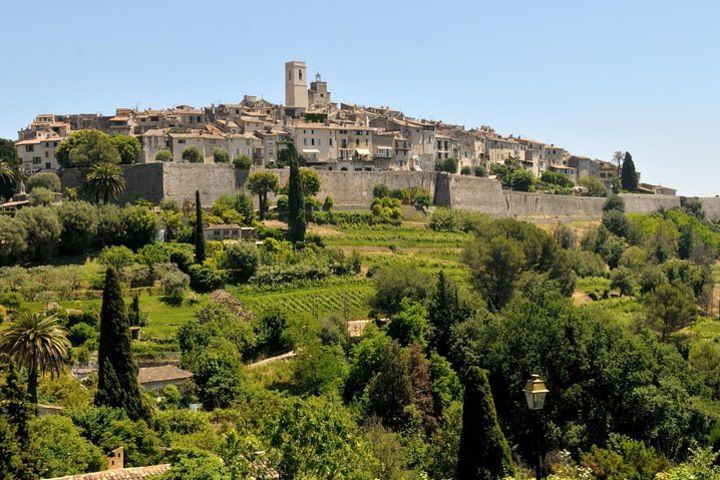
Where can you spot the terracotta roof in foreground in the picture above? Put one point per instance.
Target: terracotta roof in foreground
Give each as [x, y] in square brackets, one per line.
[137, 473]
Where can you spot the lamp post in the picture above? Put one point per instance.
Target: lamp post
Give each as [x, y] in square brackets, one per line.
[535, 392]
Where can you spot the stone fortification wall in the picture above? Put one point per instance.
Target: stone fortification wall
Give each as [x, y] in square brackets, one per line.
[639, 203]
[179, 181]
[477, 194]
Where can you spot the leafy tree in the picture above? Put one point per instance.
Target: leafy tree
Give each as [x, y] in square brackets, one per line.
[595, 186]
[175, 283]
[139, 226]
[9, 168]
[243, 162]
[41, 196]
[621, 278]
[79, 226]
[521, 180]
[392, 285]
[310, 181]
[629, 176]
[484, 451]
[218, 374]
[220, 155]
[495, 268]
[555, 178]
[128, 147]
[319, 369]
[164, 156]
[297, 223]
[241, 259]
[36, 343]
[390, 391]
[449, 165]
[243, 205]
[614, 203]
[616, 222]
[193, 155]
[59, 448]
[84, 148]
[381, 191]
[200, 466]
[669, 308]
[466, 170]
[261, 183]
[270, 328]
[43, 231]
[479, 171]
[11, 456]
[328, 204]
[117, 372]
[142, 446]
[198, 232]
[410, 324]
[13, 240]
[118, 257]
[317, 438]
[47, 180]
[105, 180]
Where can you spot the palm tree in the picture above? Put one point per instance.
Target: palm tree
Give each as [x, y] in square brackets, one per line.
[106, 179]
[7, 172]
[37, 343]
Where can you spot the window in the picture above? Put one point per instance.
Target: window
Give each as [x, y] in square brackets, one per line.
[46, 154]
[37, 160]
[357, 142]
[29, 148]
[312, 141]
[300, 74]
[47, 165]
[182, 140]
[304, 141]
[330, 140]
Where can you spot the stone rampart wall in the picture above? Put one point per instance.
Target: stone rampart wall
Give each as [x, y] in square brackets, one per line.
[179, 181]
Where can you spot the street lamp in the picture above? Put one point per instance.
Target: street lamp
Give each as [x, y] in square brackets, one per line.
[535, 392]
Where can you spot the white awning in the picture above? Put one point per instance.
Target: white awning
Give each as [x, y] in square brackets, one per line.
[310, 150]
[362, 151]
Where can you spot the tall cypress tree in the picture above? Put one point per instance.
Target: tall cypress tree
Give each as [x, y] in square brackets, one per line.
[199, 233]
[446, 309]
[629, 178]
[296, 203]
[15, 411]
[14, 405]
[117, 376]
[484, 451]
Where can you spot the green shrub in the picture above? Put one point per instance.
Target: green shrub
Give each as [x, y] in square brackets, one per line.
[118, 257]
[243, 161]
[46, 180]
[204, 278]
[241, 260]
[220, 155]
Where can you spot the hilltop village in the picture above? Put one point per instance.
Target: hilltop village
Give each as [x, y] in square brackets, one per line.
[327, 136]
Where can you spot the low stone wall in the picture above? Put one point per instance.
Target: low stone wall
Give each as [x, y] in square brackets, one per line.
[179, 181]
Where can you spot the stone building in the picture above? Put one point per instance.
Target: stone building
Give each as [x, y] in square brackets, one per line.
[296, 91]
[156, 378]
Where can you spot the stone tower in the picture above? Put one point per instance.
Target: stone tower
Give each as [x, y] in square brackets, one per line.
[296, 91]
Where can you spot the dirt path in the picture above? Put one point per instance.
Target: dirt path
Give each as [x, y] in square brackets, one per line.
[267, 361]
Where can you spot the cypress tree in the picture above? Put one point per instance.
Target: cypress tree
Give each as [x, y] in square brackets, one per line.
[14, 406]
[629, 179]
[484, 451]
[199, 234]
[16, 413]
[134, 311]
[445, 310]
[117, 376]
[296, 203]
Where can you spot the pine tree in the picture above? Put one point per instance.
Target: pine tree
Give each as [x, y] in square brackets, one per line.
[629, 179]
[199, 234]
[296, 203]
[484, 451]
[446, 309]
[117, 376]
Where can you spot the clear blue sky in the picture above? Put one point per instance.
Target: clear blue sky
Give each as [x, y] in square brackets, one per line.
[591, 76]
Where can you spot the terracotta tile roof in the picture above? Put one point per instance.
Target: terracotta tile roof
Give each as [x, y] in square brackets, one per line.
[162, 374]
[137, 473]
